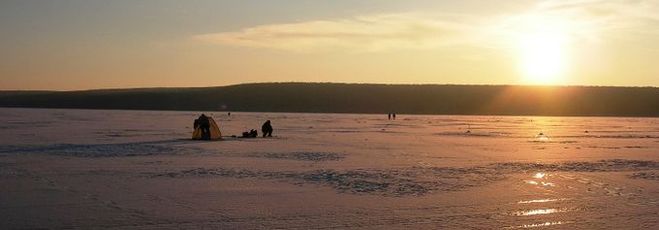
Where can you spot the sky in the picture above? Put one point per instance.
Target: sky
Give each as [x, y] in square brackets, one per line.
[92, 44]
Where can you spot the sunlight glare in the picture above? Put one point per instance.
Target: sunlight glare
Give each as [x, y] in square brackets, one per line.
[542, 50]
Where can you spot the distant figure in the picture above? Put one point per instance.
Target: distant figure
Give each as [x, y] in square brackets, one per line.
[203, 123]
[229, 114]
[389, 116]
[266, 129]
[393, 115]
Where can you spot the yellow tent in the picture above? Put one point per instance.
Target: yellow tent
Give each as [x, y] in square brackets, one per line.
[215, 131]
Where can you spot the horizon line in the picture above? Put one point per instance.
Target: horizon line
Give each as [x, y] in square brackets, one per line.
[302, 82]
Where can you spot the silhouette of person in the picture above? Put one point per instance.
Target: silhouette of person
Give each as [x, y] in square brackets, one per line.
[266, 129]
[389, 116]
[394, 116]
[204, 125]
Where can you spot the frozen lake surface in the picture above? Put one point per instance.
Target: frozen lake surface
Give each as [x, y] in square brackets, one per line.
[86, 169]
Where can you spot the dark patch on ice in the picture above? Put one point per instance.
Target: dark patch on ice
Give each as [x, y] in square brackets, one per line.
[618, 147]
[612, 165]
[603, 147]
[645, 175]
[302, 156]
[470, 134]
[568, 142]
[153, 162]
[131, 133]
[96, 150]
[416, 180]
[377, 182]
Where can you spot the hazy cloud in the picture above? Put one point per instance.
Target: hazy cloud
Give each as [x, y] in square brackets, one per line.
[584, 20]
[609, 14]
[359, 34]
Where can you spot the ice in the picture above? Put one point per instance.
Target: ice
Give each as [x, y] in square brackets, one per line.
[85, 169]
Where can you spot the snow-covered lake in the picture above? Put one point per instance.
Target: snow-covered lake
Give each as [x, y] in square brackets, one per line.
[137, 169]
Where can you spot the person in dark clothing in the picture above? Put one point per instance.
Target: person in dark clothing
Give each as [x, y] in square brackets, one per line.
[266, 129]
[393, 115]
[251, 134]
[204, 125]
[389, 116]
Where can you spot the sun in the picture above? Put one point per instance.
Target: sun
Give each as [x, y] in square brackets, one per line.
[542, 52]
[542, 58]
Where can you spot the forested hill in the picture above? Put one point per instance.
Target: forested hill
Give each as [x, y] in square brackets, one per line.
[359, 98]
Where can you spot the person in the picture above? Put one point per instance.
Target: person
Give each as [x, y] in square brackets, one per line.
[389, 116]
[393, 115]
[204, 125]
[266, 129]
[251, 134]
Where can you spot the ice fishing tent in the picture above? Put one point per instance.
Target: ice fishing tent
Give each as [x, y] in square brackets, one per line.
[215, 131]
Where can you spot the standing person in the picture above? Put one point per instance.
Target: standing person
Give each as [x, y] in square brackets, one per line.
[266, 129]
[394, 116]
[389, 116]
[205, 125]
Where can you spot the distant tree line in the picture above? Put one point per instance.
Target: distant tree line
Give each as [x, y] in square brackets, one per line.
[360, 98]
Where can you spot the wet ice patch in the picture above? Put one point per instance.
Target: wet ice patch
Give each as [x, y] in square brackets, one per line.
[302, 156]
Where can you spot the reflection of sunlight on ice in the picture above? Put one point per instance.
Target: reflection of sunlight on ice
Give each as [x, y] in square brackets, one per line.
[540, 183]
[537, 212]
[545, 224]
[541, 137]
[539, 175]
[547, 184]
[538, 201]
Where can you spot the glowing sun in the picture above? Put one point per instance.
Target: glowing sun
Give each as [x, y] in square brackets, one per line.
[542, 52]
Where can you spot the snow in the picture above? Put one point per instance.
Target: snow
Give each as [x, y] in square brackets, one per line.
[86, 169]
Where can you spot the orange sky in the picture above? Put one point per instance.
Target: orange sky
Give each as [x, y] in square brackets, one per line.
[68, 45]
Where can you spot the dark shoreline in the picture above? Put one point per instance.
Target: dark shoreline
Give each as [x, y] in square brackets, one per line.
[359, 98]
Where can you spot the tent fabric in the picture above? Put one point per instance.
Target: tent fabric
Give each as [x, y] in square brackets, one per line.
[215, 131]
